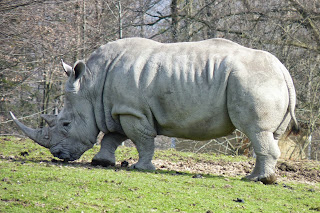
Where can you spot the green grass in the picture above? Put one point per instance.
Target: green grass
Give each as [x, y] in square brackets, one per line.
[33, 183]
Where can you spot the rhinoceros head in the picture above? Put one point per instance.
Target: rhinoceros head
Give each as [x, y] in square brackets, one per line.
[73, 131]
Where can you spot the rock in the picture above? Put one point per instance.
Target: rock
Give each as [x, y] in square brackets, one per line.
[315, 209]
[238, 200]
[197, 176]
[25, 153]
[227, 186]
[286, 186]
[5, 179]
[177, 173]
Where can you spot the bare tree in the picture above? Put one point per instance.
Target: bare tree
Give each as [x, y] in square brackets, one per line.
[35, 35]
[174, 20]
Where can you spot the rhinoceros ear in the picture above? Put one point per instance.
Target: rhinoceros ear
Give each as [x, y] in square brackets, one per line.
[79, 69]
[73, 85]
[50, 119]
[67, 68]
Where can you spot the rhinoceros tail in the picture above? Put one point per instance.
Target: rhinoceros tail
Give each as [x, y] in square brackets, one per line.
[294, 129]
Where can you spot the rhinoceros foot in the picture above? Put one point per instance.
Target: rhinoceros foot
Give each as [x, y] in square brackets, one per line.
[104, 163]
[143, 166]
[104, 158]
[270, 179]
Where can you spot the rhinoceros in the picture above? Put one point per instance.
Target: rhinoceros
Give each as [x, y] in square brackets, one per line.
[137, 88]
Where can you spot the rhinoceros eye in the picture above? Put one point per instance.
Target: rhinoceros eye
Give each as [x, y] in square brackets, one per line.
[65, 127]
[66, 123]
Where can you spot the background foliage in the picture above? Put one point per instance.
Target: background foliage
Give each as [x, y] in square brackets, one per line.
[36, 34]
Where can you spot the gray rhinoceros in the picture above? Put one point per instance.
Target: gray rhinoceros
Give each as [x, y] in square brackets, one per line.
[137, 88]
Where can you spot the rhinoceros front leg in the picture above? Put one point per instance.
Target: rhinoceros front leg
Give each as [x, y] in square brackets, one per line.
[109, 144]
[142, 135]
[267, 152]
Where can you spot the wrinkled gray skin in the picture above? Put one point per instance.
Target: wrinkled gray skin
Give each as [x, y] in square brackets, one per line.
[137, 88]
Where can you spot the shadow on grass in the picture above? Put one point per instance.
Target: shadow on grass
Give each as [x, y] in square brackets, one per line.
[117, 168]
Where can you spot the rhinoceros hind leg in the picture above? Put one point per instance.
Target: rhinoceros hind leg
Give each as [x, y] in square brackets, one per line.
[142, 135]
[106, 156]
[267, 154]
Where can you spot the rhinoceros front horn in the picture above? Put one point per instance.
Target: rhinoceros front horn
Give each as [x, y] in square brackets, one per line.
[34, 134]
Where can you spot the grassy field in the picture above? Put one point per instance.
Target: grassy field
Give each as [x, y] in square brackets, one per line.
[31, 180]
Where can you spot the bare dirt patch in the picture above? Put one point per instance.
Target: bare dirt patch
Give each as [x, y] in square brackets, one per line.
[299, 171]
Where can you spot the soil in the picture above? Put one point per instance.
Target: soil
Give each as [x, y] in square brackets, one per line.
[304, 171]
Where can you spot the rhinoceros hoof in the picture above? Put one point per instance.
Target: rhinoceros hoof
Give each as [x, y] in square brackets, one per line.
[269, 179]
[104, 163]
[265, 180]
[141, 166]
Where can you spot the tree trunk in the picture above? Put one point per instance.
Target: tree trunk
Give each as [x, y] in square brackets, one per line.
[83, 55]
[120, 19]
[174, 20]
[189, 27]
[142, 18]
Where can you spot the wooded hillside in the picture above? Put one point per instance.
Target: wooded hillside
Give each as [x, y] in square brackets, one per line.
[36, 34]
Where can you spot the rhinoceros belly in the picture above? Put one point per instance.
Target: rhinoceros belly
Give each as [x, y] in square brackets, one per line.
[191, 116]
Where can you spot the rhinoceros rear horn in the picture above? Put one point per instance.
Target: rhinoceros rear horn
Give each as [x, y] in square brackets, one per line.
[34, 134]
[50, 119]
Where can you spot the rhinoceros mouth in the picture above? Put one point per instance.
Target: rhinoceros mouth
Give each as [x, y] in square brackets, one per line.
[63, 155]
